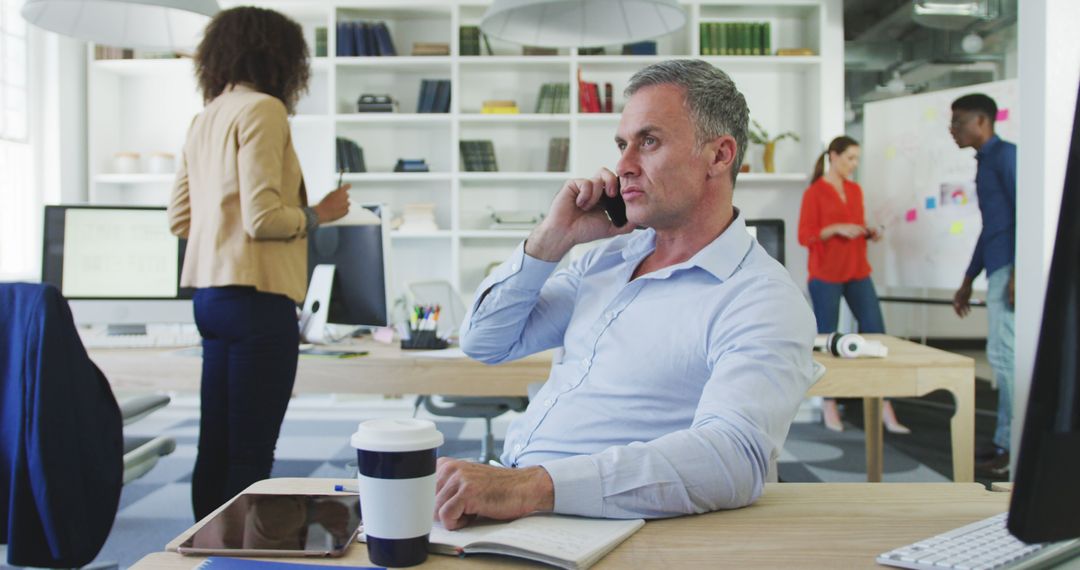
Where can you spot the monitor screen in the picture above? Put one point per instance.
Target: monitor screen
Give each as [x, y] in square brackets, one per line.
[770, 234]
[103, 258]
[1046, 496]
[359, 254]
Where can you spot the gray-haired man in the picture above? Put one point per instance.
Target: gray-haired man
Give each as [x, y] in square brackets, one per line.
[687, 348]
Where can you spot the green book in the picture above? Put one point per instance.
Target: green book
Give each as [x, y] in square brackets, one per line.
[469, 40]
[755, 39]
[320, 41]
[766, 42]
[703, 35]
[722, 46]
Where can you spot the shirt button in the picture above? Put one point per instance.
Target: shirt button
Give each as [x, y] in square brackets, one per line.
[517, 447]
[513, 267]
[585, 362]
[548, 402]
[611, 316]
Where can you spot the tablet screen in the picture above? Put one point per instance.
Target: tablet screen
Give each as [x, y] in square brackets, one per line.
[291, 525]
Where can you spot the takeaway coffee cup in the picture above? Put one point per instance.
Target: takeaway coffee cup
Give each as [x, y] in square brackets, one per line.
[396, 458]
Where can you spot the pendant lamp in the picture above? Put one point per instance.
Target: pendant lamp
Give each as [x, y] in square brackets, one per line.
[581, 23]
[167, 25]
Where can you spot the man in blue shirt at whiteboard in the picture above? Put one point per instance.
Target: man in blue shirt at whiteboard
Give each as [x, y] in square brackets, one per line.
[972, 126]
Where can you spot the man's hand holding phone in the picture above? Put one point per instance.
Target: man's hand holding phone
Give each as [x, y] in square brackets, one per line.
[577, 216]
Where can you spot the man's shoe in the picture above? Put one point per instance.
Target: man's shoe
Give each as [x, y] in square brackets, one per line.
[996, 467]
[985, 453]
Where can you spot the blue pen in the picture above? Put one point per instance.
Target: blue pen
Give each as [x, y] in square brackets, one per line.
[346, 488]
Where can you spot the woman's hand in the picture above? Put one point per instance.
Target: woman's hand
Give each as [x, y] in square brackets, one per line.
[846, 231]
[334, 205]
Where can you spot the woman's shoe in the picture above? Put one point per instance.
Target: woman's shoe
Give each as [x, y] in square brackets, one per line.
[831, 415]
[892, 425]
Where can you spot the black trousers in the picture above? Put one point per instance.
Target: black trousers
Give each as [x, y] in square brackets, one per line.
[250, 348]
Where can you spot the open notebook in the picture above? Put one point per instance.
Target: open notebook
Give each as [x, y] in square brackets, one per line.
[563, 541]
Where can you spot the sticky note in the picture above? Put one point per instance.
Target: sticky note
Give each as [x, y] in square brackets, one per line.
[931, 202]
[930, 114]
[957, 228]
[911, 215]
[1003, 115]
[890, 152]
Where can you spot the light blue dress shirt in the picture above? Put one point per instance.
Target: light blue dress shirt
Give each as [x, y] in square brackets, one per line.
[676, 390]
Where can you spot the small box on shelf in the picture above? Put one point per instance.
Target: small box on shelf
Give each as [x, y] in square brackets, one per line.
[500, 107]
[369, 103]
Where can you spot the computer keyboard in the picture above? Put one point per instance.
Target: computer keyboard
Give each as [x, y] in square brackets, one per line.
[155, 339]
[980, 545]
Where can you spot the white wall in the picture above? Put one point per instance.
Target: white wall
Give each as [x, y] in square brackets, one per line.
[1049, 69]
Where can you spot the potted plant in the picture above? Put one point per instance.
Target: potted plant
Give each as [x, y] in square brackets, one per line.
[758, 135]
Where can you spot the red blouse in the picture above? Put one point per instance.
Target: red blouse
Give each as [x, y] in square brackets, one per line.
[837, 259]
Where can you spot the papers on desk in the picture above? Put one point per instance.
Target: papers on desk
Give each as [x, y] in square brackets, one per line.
[446, 353]
[357, 216]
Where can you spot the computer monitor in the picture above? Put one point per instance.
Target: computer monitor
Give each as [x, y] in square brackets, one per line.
[770, 234]
[1046, 496]
[360, 292]
[116, 265]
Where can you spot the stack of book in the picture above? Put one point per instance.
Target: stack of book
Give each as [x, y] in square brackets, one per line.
[469, 41]
[639, 48]
[320, 41]
[434, 96]
[106, 52]
[534, 50]
[478, 156]
[589, 100]
[558, 152]
[591, 51]
[368, 103]
[554, 98]
[364, 39]
[411, 165]
[500, 107]
[736, 38]
[430, 48]
[350, 157]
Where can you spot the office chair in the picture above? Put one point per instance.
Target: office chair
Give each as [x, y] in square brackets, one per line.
[63, 457]
[442, 293]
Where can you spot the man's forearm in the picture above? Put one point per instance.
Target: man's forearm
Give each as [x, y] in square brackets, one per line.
[547, 245]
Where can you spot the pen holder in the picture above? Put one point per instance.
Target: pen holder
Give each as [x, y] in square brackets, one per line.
[423, 340]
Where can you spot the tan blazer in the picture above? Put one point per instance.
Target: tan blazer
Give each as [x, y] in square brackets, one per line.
[238, 196]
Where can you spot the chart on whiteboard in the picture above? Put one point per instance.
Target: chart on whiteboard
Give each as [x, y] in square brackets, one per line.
[921, 187]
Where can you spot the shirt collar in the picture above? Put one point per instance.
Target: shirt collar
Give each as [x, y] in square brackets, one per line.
[987, 147]
[721, 257]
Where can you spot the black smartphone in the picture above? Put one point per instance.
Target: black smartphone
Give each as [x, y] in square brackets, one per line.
[615, 208]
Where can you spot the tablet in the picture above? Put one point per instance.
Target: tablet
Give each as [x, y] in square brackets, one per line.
[279, 525]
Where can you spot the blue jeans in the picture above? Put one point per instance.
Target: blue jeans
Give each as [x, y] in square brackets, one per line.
[1000, 340]
[861, 297]
[250, 348]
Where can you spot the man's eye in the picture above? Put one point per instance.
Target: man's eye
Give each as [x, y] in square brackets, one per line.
[648, 141]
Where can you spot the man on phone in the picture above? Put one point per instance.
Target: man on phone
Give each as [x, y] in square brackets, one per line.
[972, 126]
[687, 348]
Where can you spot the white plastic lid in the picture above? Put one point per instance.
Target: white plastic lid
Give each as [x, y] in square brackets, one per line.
[397, 435]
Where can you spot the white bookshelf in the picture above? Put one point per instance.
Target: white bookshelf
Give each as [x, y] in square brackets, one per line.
[146, 106]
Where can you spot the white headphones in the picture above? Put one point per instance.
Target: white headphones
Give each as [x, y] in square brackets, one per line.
[849, 346]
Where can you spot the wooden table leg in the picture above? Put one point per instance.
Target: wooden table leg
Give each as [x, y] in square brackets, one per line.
[962, 427]
[873, 430]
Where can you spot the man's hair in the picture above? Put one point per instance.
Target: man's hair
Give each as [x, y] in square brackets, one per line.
[978, 103]
[256, 46]
[716, 106]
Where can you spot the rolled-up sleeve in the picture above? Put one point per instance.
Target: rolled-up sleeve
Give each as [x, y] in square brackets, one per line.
[262, 136]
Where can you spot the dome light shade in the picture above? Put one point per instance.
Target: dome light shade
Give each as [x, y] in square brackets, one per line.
[581, 23]
[146, 24]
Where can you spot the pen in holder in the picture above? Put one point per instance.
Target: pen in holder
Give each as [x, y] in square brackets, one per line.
[423, 329]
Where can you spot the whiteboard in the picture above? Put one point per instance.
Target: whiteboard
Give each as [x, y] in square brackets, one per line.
[921, 187]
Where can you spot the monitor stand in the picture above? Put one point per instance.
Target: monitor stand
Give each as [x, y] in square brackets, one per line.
[313, 318]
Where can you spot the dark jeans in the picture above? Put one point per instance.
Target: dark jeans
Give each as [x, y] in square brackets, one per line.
[250, 349]
[860, 296]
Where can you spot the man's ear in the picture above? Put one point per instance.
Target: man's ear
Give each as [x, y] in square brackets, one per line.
[721, 152]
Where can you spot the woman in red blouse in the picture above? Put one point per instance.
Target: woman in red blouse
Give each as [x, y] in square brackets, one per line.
[832, 225]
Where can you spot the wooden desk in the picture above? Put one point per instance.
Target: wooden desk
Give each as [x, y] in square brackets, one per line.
[385, 370]
[793, 525]
[910, 370]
